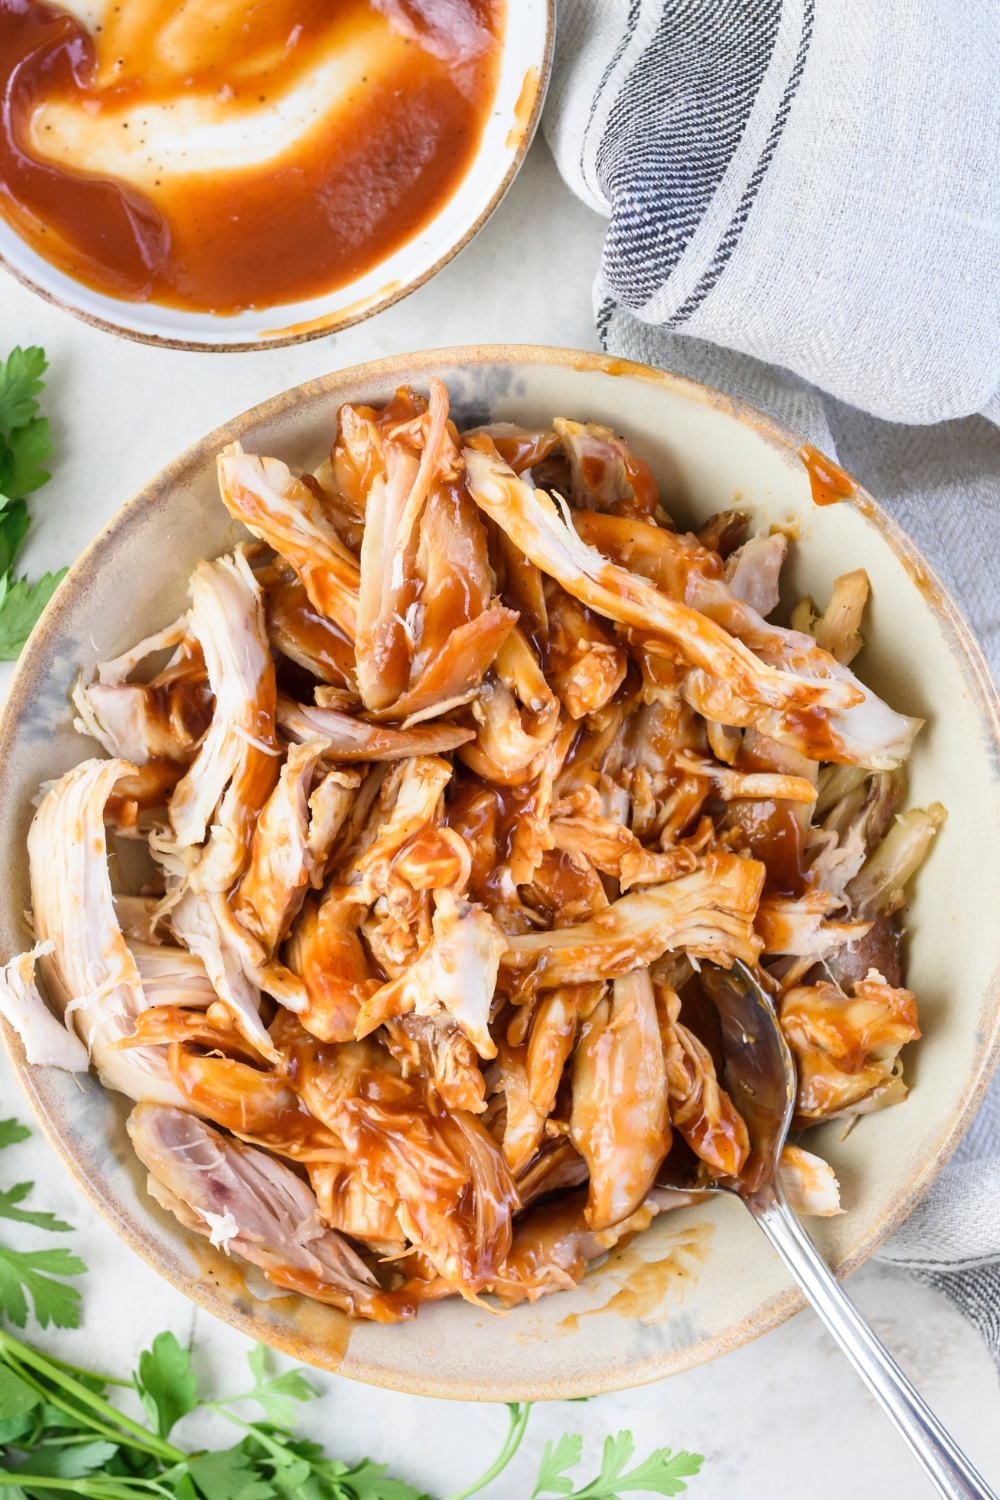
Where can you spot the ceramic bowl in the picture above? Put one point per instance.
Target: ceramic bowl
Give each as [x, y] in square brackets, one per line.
[524, 72]
[699, 1281]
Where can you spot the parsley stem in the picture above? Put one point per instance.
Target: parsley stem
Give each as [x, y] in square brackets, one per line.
[62, 1364]
[94, 1426]
[108, 1489]
[280, 1454]
[24, 1354]
[519, 1413]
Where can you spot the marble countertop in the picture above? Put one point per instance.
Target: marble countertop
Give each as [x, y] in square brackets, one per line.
[784, 1416]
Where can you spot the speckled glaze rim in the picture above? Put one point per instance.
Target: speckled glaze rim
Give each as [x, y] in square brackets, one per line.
[255, 1320]
[367, 307]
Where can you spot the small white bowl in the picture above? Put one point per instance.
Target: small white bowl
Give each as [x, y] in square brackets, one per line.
[526, 59]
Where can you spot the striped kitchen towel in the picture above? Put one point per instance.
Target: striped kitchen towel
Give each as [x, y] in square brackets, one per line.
[804, 205]
[812, 183]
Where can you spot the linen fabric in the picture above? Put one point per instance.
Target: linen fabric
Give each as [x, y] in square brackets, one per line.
[808, 182]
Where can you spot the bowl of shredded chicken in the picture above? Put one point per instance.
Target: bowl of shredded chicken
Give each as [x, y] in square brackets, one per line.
[375, 881]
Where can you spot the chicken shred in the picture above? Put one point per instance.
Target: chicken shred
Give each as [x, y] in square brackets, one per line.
[708, 913]
[702, 1112]
[281, 855]
[809, 1183]
[90, 972]
[845, 1047]
[237, 765]
[196, 1172]
[620, 1122]
[535, 524]
[47, 1042]
[284, 512]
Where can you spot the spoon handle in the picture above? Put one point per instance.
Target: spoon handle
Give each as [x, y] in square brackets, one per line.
[939, 1455]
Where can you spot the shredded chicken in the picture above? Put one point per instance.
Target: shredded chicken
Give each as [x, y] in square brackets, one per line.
[89, 971]
[861, 728]
[809, 1183]
[456, 972]
[702, 1112]
[800, 927]
[620, 1123]
[232, 958]
[199, 1175]
[554, 1245]
[47, 1042]
[880, 883]
[425, 924]
[163, 719]
[238, 763]
[352, 739]
[752, 572]
[585, 667]
[604, 473]
[836, 629]
[285, 513]
[171, 975]
[708, 913]
[844, 1047]
[289, 846]
[438, 1050]
[534, 523]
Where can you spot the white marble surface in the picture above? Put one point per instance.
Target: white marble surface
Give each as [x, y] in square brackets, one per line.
[783, 1417]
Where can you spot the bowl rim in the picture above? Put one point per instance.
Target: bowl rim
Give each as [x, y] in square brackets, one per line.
[205, 1292]
[355, 312]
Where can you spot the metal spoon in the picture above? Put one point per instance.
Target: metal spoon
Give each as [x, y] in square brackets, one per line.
[760, 1077]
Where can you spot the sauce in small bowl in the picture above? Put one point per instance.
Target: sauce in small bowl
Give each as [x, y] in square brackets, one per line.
[200, 172]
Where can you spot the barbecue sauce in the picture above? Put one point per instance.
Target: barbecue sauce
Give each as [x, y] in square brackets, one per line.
[828, 481]
[222, 157]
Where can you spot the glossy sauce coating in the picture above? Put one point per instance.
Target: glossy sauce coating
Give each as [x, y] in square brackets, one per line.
[223, 157]
[772, 830]
[307, 637]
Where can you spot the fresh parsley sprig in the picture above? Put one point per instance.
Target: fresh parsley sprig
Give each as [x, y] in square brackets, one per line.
[61, 1436]
[30, 1273]
[663, 1472]
[24, 447]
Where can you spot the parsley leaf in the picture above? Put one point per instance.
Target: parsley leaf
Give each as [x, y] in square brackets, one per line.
[24, 448]
[20, 607]
[229, 1475]
[276, 1396]
[14, 525]
[365, 1482]
[31, 1271]
[663, 1473]
[551, 1477]
[20, 381]
[17, 1398]
[14, 1195]
[25, 1271]
[68, 1462]
[166, 1384]
[22, 454]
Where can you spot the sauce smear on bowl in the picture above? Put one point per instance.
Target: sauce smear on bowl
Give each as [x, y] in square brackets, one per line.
[216, 155]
